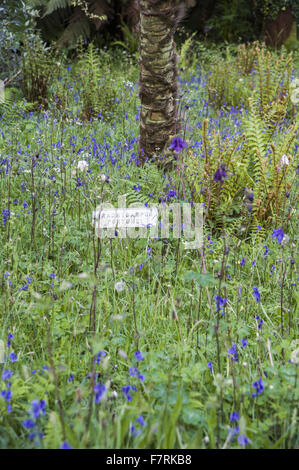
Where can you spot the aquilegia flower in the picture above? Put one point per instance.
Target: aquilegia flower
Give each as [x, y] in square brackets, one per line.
[177, 144]
[220, 174]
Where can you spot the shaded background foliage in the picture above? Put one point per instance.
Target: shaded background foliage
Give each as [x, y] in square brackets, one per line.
[110, 22]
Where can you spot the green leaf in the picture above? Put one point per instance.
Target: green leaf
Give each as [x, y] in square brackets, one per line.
[202, 279]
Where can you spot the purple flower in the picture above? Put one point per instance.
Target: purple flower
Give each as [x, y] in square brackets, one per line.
[140, 420]
[258, 385]
[256, 294]
[210, 367]
[28, 423]
[126, 392]
[177, 144]
[13, 357]
[243, 440]
[260, 322]
[234, 416]
[138, 356]
[65, 445]
[243, 261]
[100, 391]
[266, 250]
[220, 302]
[6, 394]
[232, 353]
[220, 174]
[7, 374]
[99, 356]
[278, 234]
[52, 276]
[244, 342]
[133, 371]
[37, 408]
[71, 378]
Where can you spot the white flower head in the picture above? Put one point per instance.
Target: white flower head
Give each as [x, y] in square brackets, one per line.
[119, 286]
[282, 162]
[294, 96]
[102, 177]
[82, 165]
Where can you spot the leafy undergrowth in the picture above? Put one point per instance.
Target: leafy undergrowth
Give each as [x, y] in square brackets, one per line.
[142, 343]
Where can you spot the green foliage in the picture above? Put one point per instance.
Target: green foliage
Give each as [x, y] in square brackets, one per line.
[221, 200]
[130, 42]
[226, 86]
[184, 54]
[271, 8]
[271, 166]
[232, 21]
[95, 84]
[149, 294]
[38, 71]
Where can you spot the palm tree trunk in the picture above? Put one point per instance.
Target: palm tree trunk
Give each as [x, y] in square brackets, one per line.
[158, 74]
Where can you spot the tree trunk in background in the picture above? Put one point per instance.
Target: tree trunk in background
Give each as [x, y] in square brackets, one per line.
[158, 74]
[278, 30]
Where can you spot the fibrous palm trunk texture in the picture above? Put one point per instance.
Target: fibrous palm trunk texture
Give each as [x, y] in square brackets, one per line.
[158, 74]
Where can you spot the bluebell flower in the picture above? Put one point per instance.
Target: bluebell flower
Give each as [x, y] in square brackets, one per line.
[10, 337]
[71, 378]
[5, 217]
[126, 391]
[220, 302]
[258, 385]
[242, 263]
[266, 250]
[244, 342]
[28, 423]
[272, 269]
[260, 323]
[140, 420]
[256, 294]
[138, 355]
[99, 356]
[133, 371]
[210, 366]
[37, 408]
[232, 353]
[13, 357]
[243, 440]
[234, 416]
[65, 445]
[7, 374]
[100, 391]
